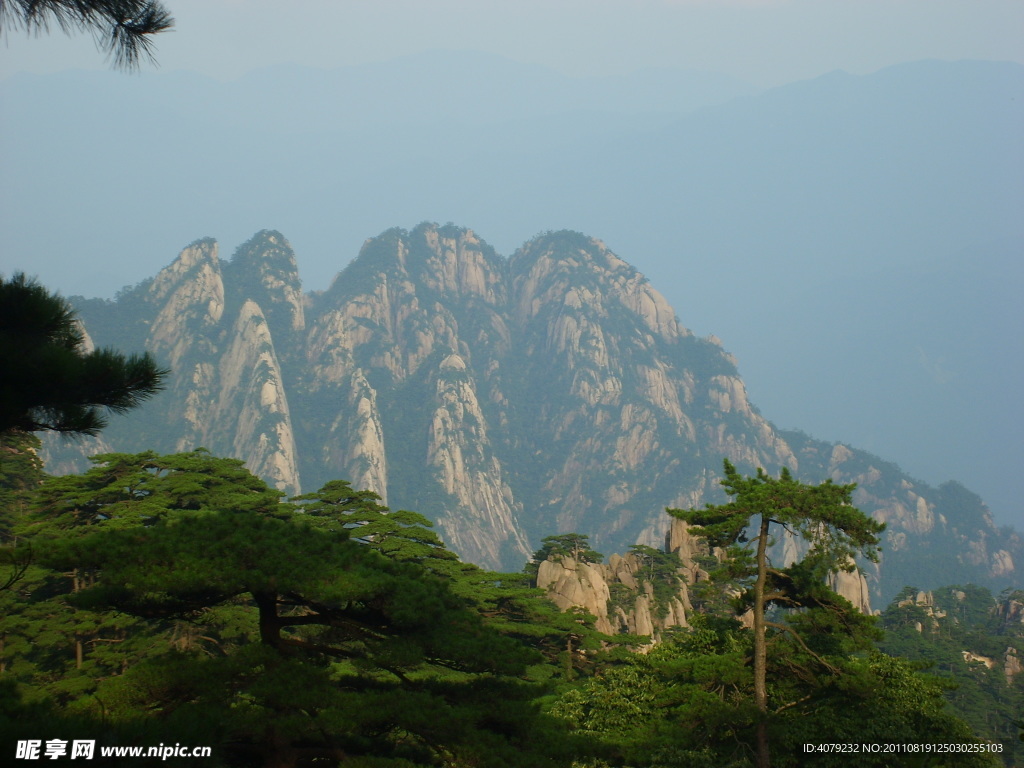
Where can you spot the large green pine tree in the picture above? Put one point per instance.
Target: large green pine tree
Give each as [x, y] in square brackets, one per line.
[282, 634]
[835, 531]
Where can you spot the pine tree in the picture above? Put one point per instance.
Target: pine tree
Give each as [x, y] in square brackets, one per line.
[284, 635]
[822, 515]
[51, 381]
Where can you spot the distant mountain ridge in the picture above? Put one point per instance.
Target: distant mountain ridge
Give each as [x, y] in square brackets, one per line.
[506, 399]
[874, 218]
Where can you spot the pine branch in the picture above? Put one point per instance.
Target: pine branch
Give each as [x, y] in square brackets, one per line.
[774, 625]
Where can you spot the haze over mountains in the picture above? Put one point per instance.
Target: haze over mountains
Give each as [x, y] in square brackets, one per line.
[506, 399]
[854, 240]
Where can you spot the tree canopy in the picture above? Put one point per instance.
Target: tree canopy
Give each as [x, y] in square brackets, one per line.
[52, 381]
[824, 517]
[178, 598]
[187, 587]
[572, 545]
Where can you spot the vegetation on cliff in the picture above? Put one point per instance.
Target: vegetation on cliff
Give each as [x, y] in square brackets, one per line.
[179, 599]
[505, 399]
[836, 531]
[159, 598]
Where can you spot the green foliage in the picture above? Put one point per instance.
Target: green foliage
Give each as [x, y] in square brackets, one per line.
[21, 472]
[822, 515]
[689, 702]
[179, 599]
[620, 596]
[177, 594]
[60, 386]
[956, 638]
[661, 570]
[401, 535]
[572, 545]
[879, 700]
[836, 531]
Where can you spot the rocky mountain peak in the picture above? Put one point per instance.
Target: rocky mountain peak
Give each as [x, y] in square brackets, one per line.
[189, 298]
[506, 399]
[264, 269]
[454, 262]
[572, 270]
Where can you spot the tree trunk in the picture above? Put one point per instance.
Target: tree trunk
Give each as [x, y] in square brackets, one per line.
[76, 586]
[278, 751]
[760, 647]
[269, 621]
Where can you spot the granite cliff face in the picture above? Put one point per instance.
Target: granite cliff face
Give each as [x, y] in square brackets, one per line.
[623, 594]
[506, 399]
[405, 360]
[633, 609]
[217, 326]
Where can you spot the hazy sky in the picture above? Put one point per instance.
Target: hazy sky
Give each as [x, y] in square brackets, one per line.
[767, 42]
[764, 42]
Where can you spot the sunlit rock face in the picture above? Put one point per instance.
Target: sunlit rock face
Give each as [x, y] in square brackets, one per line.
[405, 361]
[507, 399]
[227, 392]
[622, 599]
[633, 609]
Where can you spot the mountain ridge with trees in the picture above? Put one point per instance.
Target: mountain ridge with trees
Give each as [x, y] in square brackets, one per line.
[200, 607]
[504, 399]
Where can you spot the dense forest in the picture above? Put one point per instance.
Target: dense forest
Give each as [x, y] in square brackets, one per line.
[179, 603]
[179, 600]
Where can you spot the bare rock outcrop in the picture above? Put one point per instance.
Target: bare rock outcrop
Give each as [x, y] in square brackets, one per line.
[619, 594]
[252, 398]
[484, 521]
[926, 601]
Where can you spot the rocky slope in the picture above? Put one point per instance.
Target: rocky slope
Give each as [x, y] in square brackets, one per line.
[929, 617]
[616, 594]
[506, 399]
[623, 593]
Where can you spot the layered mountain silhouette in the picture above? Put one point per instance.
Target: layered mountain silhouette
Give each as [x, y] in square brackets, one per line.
[507, 399]
[874, 219]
